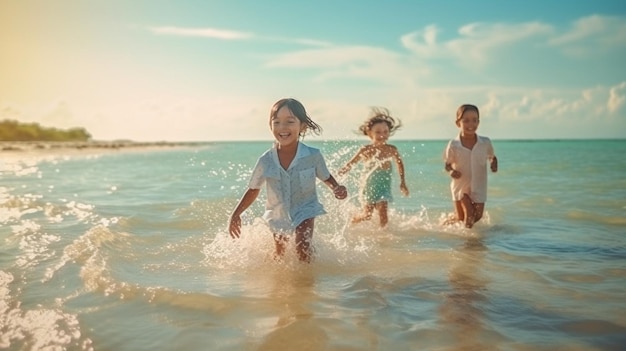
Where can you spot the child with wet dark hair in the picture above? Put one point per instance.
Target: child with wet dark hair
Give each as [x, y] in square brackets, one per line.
[289, 171]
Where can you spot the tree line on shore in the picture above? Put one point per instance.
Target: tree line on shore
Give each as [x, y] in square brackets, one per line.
[11, 130]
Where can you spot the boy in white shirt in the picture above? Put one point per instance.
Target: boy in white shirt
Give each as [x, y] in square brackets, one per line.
[466, 159]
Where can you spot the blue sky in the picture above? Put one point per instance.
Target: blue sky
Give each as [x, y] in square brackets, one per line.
[210, 70]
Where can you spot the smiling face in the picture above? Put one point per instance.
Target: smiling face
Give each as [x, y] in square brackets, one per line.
[286, 127]
[379, 133]
[468, 123]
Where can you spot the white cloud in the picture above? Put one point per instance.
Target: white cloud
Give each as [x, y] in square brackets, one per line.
[612, 29]
[616, 97]
[427, 113]
[350, 62]
[227, 34]
[300, 41]
[582, 29]
[492, 103]
[422, 44]
[559, 106]
[592, 34]
[477, 41]
[223, 34]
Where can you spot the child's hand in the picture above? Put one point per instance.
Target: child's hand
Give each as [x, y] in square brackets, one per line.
[340, 192]
[404, 189]
[494, 164]
[234, 226]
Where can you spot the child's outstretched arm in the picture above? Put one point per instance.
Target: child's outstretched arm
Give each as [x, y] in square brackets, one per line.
[339, 190]
[234, 224]
[400, 164]
[356, 158]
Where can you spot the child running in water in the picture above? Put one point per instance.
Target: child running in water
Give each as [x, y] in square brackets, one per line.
[466, 159]
[289, 170]
[377, 157]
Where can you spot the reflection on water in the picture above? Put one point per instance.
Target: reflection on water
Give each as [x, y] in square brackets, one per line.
[291, 298]
[461, 312]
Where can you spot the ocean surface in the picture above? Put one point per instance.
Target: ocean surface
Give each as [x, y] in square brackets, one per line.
[129, 251]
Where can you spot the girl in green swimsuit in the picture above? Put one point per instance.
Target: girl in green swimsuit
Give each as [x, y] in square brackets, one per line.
[377, 157]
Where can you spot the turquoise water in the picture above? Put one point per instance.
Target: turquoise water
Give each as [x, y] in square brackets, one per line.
[129, 251]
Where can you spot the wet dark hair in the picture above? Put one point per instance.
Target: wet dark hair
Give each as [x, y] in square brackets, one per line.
[380, 115]
[463, 108]
[298, 110]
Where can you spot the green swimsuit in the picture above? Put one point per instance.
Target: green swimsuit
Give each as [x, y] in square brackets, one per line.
[377, 186]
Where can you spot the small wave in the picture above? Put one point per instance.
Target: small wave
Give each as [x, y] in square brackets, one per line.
[597, 218]
[38, 328]
[542, 246]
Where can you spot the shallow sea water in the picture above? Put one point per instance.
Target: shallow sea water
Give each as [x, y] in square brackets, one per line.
[129, 251]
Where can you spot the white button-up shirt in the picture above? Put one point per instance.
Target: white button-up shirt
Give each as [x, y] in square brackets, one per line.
[291, 193]
[473, 167]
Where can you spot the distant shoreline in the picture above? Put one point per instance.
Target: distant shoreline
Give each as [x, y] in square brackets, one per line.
[17, 146]
[11, 151]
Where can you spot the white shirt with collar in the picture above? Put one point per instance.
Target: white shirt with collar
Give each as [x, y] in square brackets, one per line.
[473, 167]
[291, 193]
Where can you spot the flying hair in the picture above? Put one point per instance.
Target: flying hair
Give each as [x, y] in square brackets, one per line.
[380, 115]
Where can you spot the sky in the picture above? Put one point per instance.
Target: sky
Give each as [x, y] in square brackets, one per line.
[210, 70]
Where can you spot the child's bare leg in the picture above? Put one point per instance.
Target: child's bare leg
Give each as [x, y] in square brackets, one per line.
[365, 216]
[479, 209]
[460, 212]
[468, 209]
[381, 207]
[458, 216]
[304, 235]
[281, 242]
